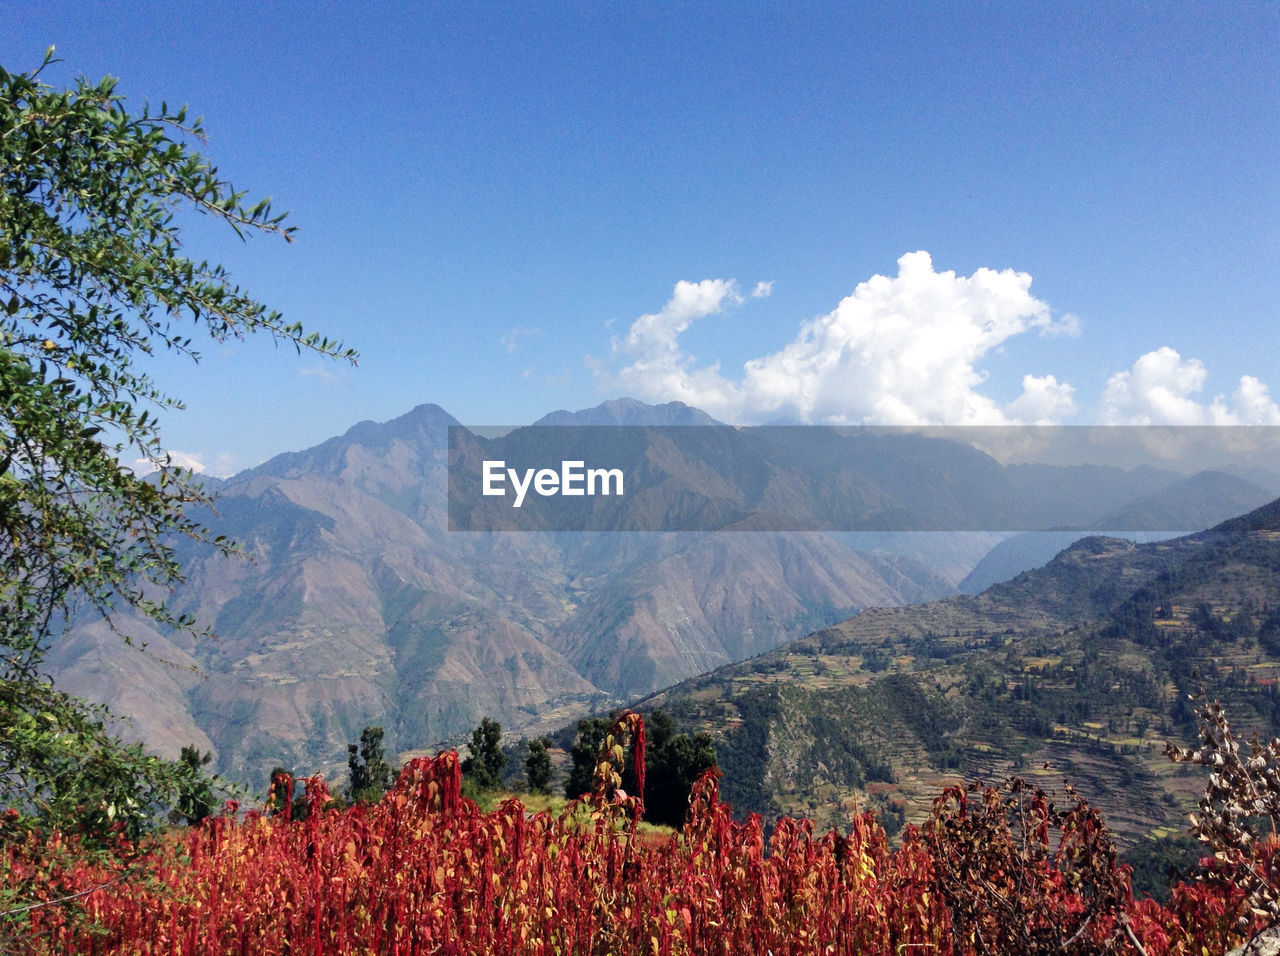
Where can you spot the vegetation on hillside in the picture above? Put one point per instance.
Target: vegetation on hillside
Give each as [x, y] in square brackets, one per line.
[424, 870]
[1082, 669]
[674, 760]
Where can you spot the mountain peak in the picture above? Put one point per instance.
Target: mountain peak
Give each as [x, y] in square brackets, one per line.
[426, 416]
[425, 427]
[630, 411]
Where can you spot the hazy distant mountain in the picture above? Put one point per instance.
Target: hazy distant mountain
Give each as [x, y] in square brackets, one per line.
[1018, 553]
[627, 411]
[825, 479]
[1200, 501]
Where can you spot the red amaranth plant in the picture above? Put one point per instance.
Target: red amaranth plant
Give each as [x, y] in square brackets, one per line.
[1021, 875]
[607, 778]
[424, 871]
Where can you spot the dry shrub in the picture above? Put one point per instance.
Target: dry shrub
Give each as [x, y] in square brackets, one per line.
[1236, 818]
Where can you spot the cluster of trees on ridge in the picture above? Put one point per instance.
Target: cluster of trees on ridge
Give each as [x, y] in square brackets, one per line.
[674, 761]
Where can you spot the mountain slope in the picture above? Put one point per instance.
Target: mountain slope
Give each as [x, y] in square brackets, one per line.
[360, 607]
[1081, 669]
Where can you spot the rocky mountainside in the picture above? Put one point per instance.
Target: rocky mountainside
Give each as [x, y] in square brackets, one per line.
[358, 606]
[1081, 669]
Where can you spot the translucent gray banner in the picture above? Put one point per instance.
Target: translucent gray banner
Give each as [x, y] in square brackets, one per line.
[817, 478]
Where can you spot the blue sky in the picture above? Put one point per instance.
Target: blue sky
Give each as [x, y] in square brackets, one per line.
[510, 209]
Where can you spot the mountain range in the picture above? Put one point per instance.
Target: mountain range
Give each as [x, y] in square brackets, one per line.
[1080, 670]
[357, 605]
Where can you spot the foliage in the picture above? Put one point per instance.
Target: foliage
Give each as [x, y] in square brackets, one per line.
[286, 799]
[675, 761]
[537, 766]
[613, 760]
[370, 772]
[59, 765]
[591, 732]
[94, 279]
[424, 871]
[1238, 815]
[1020, 875]
[92, 276]
[484, 767]
[195, 796]
[1160, 862]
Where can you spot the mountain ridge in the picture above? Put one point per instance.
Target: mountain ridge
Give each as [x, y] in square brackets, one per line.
[360, 607]
[1081, 668]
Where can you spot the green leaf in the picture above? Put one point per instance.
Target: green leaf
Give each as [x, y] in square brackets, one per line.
[93, 271]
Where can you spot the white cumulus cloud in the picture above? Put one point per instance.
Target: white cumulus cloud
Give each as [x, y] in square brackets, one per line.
[1044, 401]
[1253, 403]
[899, 350]
[908, 350]
[654, 337]
[1158, 390]
[221, 465]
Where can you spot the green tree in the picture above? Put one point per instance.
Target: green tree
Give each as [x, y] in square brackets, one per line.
[484, 766]
[537, 766]
[195, 796]
[371, 772]
[94, 280]
[60, 768]
[591, 733]
[674, 760]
